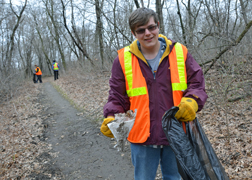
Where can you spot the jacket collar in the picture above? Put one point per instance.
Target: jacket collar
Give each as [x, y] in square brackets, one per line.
[135, 50]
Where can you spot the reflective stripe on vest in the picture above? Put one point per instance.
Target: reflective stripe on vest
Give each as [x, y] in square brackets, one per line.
[55, 66]
[129, 75]
[177, 59]
[182, 86]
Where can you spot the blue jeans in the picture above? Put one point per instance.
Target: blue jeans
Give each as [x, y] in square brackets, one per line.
[146, 160]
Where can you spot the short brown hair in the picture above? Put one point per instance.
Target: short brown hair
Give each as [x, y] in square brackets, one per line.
[140, 17]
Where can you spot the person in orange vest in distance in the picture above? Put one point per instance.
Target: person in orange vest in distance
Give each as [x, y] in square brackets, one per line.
[55, 67]
[38, 73]
[152, 75]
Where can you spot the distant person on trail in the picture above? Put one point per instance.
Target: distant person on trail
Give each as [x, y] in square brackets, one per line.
[55, 67]
[38, 73]
[152, 75]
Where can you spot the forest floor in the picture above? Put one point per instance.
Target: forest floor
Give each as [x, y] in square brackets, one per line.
[51, 131]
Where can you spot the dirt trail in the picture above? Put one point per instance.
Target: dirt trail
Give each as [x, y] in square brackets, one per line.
[80, 150]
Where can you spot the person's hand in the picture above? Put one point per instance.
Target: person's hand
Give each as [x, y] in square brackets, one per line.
[187, 110]
[104, 127]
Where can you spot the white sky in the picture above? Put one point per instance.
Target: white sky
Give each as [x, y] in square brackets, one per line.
[17, 2]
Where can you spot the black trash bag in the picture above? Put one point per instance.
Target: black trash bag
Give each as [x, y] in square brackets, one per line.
[195, 156]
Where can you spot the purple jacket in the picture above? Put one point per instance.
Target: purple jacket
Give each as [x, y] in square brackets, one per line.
[159, 89]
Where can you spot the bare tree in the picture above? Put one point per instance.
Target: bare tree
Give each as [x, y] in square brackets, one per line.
[25, 52]
[235, 43]
[115, 29]
[209, 28]
[99, 28]
[181, 22]
[10, 47]
[137, 4]
[48, 62]
[192, 13]
[74, 36]
[159, 11]
[243, 11]
[50, 10]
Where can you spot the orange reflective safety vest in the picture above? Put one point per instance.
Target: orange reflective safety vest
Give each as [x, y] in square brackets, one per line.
[137, 92]
[39, 71]
[55, 66]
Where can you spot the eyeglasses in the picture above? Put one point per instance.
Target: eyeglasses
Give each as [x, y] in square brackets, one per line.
[150, 28]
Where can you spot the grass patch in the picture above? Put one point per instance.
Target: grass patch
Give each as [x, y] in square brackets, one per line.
[64, 94]
[75, 105]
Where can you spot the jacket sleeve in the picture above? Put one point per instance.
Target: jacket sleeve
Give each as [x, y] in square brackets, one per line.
[195, 82]
[118, 100]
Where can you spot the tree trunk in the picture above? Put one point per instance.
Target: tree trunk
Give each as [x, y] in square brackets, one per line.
[76, 40]
[159, 7]
[49, 64]
[99, 28]
[51, 14]
[11, 48]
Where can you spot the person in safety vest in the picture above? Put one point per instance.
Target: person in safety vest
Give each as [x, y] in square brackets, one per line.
[152, 75]
[55, 67]
[38, 73]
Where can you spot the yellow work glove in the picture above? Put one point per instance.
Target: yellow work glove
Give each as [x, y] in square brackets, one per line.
[187, 110]
[105, 129]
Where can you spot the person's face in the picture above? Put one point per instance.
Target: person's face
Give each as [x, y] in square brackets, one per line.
[147, 35]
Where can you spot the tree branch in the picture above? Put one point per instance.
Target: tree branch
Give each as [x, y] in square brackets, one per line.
[238, 40]
[80, 48]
